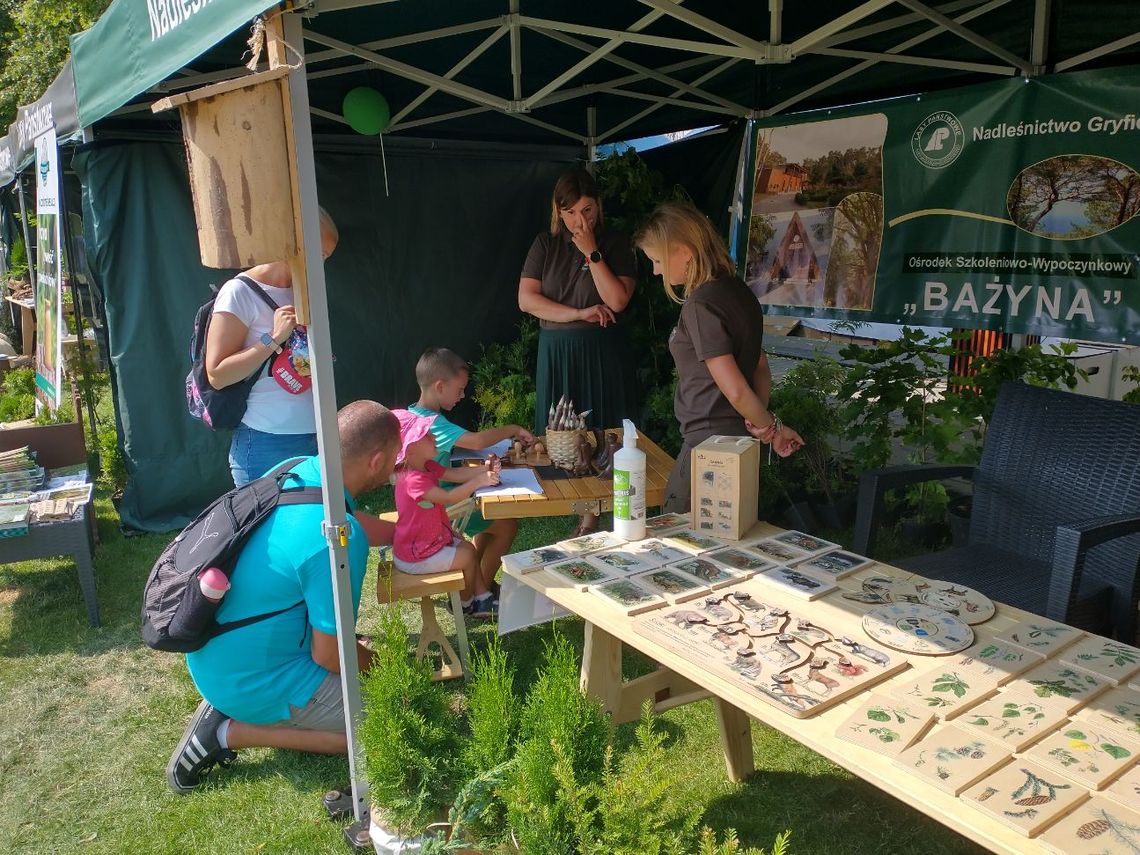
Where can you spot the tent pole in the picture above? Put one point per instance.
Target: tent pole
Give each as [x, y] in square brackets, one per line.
[591, 137]
[324, 398]
[29, 247]
[80, 342]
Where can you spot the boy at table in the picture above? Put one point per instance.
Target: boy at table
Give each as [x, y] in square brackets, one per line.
[442, 376]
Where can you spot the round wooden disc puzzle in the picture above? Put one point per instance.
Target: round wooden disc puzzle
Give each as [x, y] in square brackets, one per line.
[915, 628]
[970, 606]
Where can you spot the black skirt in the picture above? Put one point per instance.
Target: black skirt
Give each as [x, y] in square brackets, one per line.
[590, 366]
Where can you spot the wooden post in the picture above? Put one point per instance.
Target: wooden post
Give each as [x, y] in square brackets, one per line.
[601, 668]
[736, 735]
[278, 56]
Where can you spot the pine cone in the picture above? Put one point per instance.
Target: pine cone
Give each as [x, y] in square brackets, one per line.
[1092, 829]
[1033, 800]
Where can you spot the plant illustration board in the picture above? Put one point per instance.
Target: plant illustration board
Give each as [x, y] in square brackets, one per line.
[944, 691]
[953, 759]
[996, 661]
[1099, 826]
[1112, 660]
[1062, 685]
[1016, 719]
[1126, 788]
[1085, 754]
[1117, 709]
[885, 725]
[1024, 796]
[1041, 635]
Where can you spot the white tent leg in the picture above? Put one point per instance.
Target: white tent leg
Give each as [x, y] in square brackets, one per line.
[324, 398]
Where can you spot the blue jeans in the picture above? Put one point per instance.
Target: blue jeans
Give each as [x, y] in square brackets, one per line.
[254, 452]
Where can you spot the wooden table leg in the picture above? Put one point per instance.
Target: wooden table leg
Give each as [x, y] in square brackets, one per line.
[736, 735]
[601, 668]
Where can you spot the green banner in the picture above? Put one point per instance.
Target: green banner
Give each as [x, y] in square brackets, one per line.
[1009, 206]
[138, 43]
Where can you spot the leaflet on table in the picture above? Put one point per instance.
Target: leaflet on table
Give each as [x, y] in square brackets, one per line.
[514, 482]
[499, 448]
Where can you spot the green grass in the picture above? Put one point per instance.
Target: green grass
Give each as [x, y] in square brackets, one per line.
[88, 718]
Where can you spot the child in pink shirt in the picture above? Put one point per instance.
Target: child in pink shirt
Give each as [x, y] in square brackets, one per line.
[425, 541]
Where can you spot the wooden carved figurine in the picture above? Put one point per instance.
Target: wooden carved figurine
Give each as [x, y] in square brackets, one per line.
[599, 448]
[582, 466]
[613, 443]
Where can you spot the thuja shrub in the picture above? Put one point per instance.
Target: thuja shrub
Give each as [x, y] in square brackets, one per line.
[558, 724]
[410, 733]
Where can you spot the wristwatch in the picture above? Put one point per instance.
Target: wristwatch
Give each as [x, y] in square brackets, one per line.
[268, 341]
[595, 256]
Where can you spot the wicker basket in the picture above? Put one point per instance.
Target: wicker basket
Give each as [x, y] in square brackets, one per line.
[562, 446]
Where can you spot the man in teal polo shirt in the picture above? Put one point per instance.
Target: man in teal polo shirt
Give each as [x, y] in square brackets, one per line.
[276, 683]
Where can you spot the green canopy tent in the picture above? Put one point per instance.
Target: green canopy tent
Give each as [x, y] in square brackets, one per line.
[537, 72]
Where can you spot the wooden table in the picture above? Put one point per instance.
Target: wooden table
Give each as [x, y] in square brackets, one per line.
[588, 495]
[680, 681]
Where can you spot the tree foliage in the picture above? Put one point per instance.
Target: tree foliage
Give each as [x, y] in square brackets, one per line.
[1108, 191]
[34, 45]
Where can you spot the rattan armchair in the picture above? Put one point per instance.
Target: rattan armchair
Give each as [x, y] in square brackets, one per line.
[1055, 526]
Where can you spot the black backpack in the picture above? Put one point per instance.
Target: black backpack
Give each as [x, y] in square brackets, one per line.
[176, 616]
[219, 409]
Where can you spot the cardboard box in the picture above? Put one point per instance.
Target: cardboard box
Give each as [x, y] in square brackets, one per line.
[726, 486]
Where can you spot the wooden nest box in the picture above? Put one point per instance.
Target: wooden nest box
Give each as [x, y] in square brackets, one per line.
[237, 150]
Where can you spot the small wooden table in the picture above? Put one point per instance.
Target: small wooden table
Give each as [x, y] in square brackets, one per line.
[681, 681]
[590, 495]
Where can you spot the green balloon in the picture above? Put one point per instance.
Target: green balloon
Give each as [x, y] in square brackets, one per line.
[366, 111]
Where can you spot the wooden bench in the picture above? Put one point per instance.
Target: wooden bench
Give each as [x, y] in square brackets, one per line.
[393, 586]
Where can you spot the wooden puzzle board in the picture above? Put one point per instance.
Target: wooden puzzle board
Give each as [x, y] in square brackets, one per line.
[768, 645]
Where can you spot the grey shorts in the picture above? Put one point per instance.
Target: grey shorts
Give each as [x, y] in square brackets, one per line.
[324, 711]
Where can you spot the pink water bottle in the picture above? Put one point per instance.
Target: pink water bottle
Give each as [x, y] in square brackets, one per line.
[214, 584]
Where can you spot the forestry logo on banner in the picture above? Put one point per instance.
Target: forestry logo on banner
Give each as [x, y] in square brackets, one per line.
[938, 140]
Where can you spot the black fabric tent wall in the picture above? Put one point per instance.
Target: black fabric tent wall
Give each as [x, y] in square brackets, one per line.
[434, 263]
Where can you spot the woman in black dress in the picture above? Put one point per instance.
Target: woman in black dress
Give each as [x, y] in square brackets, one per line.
[577, 280]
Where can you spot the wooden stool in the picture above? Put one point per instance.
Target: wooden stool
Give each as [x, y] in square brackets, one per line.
[393, 586]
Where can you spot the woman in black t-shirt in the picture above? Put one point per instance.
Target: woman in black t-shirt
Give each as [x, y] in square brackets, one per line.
[723, 375]
[577, 280]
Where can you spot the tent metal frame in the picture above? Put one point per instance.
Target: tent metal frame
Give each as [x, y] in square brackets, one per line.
[711, 42]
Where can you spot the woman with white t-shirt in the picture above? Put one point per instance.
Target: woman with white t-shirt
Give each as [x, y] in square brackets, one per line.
[244, 333]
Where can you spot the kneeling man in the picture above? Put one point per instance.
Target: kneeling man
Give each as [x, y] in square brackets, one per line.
[276, 683]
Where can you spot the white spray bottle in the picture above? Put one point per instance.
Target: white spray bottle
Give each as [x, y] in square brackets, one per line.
[629, 487]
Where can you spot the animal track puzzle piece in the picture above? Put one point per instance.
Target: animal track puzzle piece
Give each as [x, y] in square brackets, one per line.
[1024, 796]
[1099, 825]
[1082, 752]
[1112, 660]
[1017, 719]
[886, 725]
[953, 759]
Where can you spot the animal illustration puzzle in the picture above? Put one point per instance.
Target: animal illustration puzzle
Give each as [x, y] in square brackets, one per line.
[744, 635]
